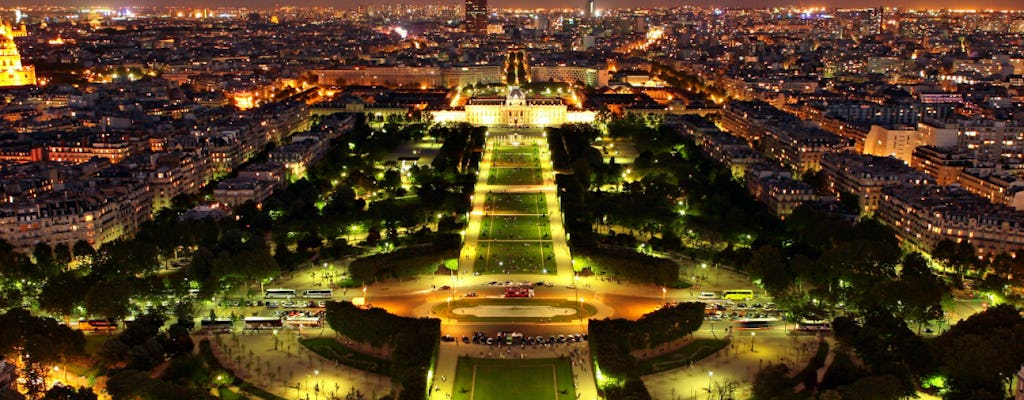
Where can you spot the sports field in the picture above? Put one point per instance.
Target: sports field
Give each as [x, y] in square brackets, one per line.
[515, 203]
[516, 379]
[515, 176]
[515, 227]
[515, 258]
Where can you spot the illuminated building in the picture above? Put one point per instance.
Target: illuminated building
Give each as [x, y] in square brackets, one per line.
[515, 109]
[13, 73]
[476, 17]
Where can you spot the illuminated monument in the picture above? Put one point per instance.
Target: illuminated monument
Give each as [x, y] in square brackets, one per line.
[12, 73]
[517, 103]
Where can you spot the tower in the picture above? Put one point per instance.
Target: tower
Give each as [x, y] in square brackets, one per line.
[589, 11]
[12, 73]
[476, 17]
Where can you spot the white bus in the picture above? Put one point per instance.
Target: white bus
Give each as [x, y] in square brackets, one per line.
[299, 322]
[813, 326]
[257, 323]
[280, 293]
[317, 293]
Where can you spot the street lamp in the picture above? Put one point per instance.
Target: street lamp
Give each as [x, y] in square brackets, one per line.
[710, 373]
[275, 339]
[663, 291]
[364, 296]
[752, 334]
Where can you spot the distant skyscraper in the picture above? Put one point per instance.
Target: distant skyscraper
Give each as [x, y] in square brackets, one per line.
[589, 11]
[476, 17]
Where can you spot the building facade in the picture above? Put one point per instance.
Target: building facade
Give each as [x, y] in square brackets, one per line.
[476, 17]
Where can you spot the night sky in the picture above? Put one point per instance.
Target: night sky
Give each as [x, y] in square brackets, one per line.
[962, 4]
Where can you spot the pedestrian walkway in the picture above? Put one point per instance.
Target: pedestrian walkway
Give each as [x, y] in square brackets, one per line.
[470, 262]
[281, 365]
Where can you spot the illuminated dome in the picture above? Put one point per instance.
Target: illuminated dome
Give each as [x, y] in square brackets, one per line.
[515, 96]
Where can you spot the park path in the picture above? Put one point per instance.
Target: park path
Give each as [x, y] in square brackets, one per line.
[448, 356]
[282, 366]
[471, 245]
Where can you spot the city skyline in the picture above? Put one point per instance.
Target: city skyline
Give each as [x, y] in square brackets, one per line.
[601, 5]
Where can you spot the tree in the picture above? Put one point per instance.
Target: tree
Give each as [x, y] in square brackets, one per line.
[61, 294]
[43, 254]
[979, 355]
[63, 392]
[62, 255]
[772, 382]
[83, 249]
[918, 292]
[108, 299]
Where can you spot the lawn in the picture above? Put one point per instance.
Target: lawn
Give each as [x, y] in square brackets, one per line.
[692, 352]
[515, 203]
[515, 176]
[515, 258]
[332, 349]
[509, 227]
[513, 157]
[492, 379]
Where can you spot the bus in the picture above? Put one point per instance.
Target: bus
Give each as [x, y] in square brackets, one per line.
[301, 321]
[257, 323]
[280, 294]
[219, 325]
[754, 324]
[97, 325]
[738, 294]
[813, 326]
[317, 293]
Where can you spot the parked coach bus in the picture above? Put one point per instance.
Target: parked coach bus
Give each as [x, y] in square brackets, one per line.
[280, 293]
[738, 294]
[754, 324]
[258, 323]
[317, 293]
[97, 325]
[219, 325]
[813, 326]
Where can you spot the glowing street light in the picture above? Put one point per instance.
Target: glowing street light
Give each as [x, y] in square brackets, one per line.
[710, 373]
[752, 334]
[663, 292]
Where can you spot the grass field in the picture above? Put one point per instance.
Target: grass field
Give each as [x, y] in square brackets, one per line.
[515, 176]
[534, 379]
[508, 227]
[515, 258]
[515, 203]
[514, 157]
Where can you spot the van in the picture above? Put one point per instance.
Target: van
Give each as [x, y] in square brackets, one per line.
[707, 295]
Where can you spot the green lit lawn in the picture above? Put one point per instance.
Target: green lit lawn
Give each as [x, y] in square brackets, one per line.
[515, 258]
[523, 227]
[515, 203]
[496, 379]
[515, 176]
[513, 157]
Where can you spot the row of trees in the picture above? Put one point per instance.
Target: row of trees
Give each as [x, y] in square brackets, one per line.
[413, 342]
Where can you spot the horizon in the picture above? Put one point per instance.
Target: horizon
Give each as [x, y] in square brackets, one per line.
[919, 5]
